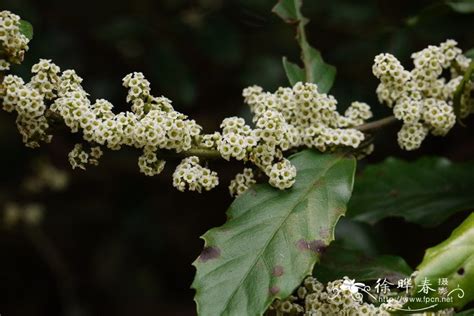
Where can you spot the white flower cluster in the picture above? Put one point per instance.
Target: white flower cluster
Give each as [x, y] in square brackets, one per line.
[28, 102]
[306, 117]
[237, 140]
[30, 214]
[79, 157]
[46, 176]
[337, 298]
[422, 98]
[192, 176]
[287, 119]
[282, 175]
[242, 182]
[151, 125]
[149, 163]
[158, 124]
[314, 298]
[13, 43]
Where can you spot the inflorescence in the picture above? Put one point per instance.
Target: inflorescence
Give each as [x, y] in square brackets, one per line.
[14, 43]
[317, 299]
[45, 177]
[288, 119]
[422, 98]
[339, 298]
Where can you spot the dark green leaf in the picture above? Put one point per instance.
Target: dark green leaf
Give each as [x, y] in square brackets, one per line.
[338, 262]
[462, 6]
[26, 29]
[272, 238]
[322, 74]
[293, 72]
[468, 312]
[426, 191]
[289, 11]
[466, 80]
[315, 69]
[358, 236]
[469, 53]
[452, 259]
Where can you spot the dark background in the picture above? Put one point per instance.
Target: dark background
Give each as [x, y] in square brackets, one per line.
[119, 243]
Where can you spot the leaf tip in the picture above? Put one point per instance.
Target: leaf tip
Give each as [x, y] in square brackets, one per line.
[26, 29]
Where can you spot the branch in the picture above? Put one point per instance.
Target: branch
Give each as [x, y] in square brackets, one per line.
[460, 89]
[306, 58]
[205, 153]
[377, 124]
[212, 154]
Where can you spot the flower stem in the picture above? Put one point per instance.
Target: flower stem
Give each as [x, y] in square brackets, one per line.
[460, 89]
[377, 124]
[212, 154]
[305, 56]
[204, 153]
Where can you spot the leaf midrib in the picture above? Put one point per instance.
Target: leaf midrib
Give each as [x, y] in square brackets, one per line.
[305, 194]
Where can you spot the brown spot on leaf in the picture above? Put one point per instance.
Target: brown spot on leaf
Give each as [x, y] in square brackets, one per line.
[315, 246]
[209, 253]
[274, 290]
[461, 271]
[278, 271]
[302, 244]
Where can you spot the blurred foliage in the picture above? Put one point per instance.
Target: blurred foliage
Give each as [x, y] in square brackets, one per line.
[128, 241]
[338, 262]
[426, 191]
[452, 259]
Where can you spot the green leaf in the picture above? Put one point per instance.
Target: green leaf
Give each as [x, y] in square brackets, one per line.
[339, 261]
[294, 72]
[452, 259]
[466, 80]
[462, 6]
[468, 312]
[469, 53]
[290, 11]
[322, 74]
[358, 236]
[315, 69]
[272, 238]
[26, 29]
[426, 191]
